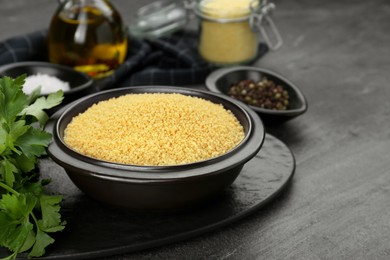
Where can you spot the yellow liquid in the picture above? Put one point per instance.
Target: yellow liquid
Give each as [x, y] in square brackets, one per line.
[230, 42]
[91, 42]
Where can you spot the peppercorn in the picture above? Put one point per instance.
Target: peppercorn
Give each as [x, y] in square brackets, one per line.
[265, 94]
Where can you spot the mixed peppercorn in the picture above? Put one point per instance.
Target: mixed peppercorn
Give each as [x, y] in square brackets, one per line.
[264, 93]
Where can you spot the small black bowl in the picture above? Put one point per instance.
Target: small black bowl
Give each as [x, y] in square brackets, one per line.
[80, 83]
[154, 187]
[220, 81]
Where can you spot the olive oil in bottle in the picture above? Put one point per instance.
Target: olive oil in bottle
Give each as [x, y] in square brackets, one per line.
[89, 36]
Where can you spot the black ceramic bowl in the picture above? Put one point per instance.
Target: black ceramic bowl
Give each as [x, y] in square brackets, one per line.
[220, 81]
[80, 83]
[154, 187]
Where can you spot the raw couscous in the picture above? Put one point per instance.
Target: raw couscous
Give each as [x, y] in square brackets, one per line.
[154, 130]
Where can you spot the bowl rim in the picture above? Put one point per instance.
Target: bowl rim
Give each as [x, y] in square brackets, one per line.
[242, 153]
[88, 79]
[217, 74]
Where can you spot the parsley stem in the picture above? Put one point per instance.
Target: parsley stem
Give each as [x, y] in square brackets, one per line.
[35, 220]
[9, 189]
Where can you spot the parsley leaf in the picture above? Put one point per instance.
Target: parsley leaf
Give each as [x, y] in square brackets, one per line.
[14, 220]
[33, 142]
[42, 241]
[8, 170]
[36, 109]
[27, 213]
[51, 218]
[12, 98]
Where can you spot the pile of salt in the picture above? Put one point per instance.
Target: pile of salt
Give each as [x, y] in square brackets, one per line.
[47, 83]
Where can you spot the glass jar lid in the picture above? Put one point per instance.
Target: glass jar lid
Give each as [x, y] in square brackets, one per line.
[158, 19]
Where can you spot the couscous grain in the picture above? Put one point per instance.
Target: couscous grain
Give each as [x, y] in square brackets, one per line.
[154, 129]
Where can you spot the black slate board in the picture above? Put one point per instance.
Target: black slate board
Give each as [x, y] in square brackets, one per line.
[96, 230]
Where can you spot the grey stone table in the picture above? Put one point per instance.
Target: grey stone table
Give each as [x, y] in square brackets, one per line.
[338, 203]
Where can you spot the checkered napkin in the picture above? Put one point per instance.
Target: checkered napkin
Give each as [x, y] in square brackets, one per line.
[172, 60]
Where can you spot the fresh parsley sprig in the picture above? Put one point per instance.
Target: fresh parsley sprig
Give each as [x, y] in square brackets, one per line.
[27, 213]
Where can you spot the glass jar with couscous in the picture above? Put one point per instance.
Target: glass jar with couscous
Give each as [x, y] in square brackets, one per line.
[230, 30]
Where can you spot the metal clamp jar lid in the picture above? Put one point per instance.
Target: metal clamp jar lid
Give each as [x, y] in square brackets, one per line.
[260, 18]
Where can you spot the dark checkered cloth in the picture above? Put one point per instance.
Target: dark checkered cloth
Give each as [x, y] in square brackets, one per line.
[172, 60]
